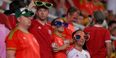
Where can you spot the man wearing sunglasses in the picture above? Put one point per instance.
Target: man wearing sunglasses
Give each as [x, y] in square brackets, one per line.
[41, 29]
[20, 43]
[79, 38]
[72, 14]
[59, 43]
[8, 16]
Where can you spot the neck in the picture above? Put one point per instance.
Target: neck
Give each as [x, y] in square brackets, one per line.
[98, 25]
[42, 22]
[79, 48]
[69, 19]
[59, 34]
[22, 28]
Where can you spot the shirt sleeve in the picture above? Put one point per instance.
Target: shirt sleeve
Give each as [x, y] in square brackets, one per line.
[87, 54]
[11, 43]
[107, 36]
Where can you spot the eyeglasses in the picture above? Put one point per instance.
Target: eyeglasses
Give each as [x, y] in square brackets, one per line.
[59, 24]
[46, 4]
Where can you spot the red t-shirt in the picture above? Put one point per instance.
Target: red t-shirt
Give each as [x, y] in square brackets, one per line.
[96, 44]
[23, 43]
[59, 41]
[42, 35]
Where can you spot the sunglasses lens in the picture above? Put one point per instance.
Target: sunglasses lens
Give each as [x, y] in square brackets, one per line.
[39, 3]
[58, 23]
[77, 37]
[48, 4]
[65, 24]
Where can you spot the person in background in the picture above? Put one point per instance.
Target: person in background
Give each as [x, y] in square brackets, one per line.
[41, 29]
[71, 15]
[77, 51]
[8, 16]
[99, 44]
[20, 43]
[3, 33]
[86, 19]
[111, 25]
[113, 33]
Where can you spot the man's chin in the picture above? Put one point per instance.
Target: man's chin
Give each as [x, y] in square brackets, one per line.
[28, 25]
[43, 18]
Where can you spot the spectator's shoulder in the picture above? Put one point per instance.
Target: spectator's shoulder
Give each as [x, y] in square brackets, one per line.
[13, 33]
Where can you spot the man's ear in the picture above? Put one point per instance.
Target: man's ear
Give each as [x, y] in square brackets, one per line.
[19, 19]
[54, 27]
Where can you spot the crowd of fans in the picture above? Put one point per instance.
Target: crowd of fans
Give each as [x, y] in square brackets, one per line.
[57, 29]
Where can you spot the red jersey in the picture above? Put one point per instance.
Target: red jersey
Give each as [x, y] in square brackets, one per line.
[23, 43]
[42, 35]
[59, 41]
[96, 45]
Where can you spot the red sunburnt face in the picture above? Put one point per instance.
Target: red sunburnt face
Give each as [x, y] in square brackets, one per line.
[26, 21]
[42, 13]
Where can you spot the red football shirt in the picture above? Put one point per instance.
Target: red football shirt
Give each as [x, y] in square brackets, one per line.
[59, 41]
[23, 43]
[42, 35]
[96, 45]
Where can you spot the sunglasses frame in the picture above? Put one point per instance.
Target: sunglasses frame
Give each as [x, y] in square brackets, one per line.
[43, 3]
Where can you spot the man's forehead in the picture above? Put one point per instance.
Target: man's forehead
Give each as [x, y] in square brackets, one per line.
[80, 33]
[42, 9]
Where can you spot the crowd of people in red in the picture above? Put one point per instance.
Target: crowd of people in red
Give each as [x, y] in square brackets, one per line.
[57, 29]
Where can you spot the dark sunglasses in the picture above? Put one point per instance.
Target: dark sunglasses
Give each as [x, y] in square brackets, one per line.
[77, 37]
[46, 4]
[59, 24]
